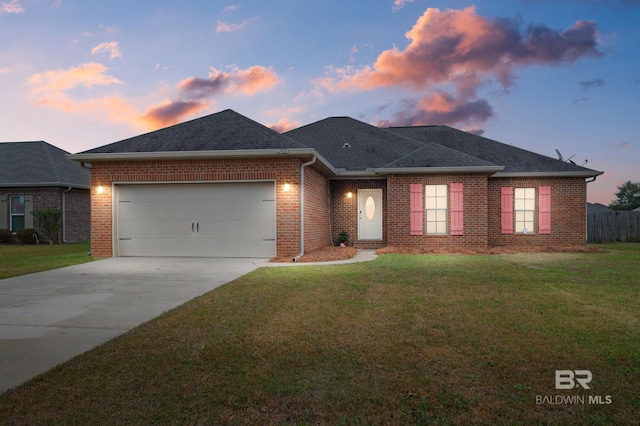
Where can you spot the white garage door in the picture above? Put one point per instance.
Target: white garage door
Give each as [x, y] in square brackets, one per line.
[205, 220]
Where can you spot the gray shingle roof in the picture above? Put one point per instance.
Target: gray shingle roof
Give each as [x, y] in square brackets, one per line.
[354, 146]
[515, 160]
[225, 130]
[348, 145]
[39, 164]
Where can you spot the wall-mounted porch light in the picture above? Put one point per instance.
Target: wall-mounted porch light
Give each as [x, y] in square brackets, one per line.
[100, 189]
[286, 187]
[349, 194]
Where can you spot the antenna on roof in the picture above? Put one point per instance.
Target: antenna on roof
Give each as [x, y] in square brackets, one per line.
[561, 158]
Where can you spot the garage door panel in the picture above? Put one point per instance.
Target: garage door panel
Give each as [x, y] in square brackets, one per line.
[219, 219]
[229, 229]
[155, 229]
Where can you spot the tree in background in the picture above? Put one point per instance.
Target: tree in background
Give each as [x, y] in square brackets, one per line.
[48, 222]
[626, 198]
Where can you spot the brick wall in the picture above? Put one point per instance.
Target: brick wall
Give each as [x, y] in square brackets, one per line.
[282, 170]
[344, 210]
[78, 215]
[568, 212]
[316, 210]
[475, 207]
[46, 198]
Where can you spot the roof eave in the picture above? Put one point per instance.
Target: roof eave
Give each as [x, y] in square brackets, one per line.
[188, 155]
[44, 184]
[457, 169]
[583, 174]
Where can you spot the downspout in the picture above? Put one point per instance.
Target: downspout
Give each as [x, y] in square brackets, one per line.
[302, 166]
[586, 213]
[64, 220]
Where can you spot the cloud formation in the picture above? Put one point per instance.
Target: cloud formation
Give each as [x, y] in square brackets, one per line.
[399, 4]
[11, 7]
[462, 51]
[225, 27]
[442, 108]
[196, 93]
[51, 89]
[588, 84]
[110, 48]
[283, 125]
[56, 81]
[168, 113]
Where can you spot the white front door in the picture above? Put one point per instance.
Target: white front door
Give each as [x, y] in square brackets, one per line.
[370, 214]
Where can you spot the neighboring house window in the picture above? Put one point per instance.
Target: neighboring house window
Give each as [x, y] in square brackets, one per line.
[524, 210]
[436, 213]
[17, 212]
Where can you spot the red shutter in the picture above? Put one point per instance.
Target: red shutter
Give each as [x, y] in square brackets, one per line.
[417, 209]
[506, 209]
[544, 210]
[457, 214]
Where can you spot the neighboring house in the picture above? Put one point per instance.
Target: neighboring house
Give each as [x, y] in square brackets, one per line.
[38, 176]
[224, 185]
[594, 208]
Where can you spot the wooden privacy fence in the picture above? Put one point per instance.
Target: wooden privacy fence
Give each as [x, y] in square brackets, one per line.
[613, 227]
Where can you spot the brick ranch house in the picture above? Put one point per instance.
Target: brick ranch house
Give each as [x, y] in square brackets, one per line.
[224, 185]
[38, 176]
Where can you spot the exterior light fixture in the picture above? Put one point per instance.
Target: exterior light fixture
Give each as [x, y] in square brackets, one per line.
[286, 187]
[100, 189]
[349, 194]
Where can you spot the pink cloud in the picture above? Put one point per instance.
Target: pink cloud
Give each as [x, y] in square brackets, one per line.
[462, 49]
[284, 125]
[112, 48]
[225, 27]
[11, 7]
[247, 82]
[87, 75]
[168, 113]
[443, 45]
[51, 89]
[444, 109]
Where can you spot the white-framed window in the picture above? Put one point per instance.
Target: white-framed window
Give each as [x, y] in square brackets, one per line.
[16, 212]
[525, 210]
[435, 209]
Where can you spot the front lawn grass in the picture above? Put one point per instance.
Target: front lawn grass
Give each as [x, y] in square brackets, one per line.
[405, 339]
[26, 259]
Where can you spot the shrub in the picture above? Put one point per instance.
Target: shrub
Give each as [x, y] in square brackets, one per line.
[6, 237]
[26, 236]
[48, 222]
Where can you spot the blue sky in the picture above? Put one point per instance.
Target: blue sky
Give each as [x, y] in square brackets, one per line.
[538, 74]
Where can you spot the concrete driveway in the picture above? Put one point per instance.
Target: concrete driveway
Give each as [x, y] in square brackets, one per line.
[49, 317]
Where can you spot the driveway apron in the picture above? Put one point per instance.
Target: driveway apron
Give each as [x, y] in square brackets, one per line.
[49, 317]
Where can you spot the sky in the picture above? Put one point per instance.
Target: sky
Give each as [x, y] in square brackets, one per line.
[542, 75]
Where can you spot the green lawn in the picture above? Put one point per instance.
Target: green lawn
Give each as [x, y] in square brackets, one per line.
[406, 339]
[19, 260]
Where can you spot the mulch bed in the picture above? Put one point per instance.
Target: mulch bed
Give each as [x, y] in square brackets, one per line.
[492, 250]
[326, 254]
[329, 254]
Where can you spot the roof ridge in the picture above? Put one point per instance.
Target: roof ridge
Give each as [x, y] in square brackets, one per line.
[52, 164]
[425, 145]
